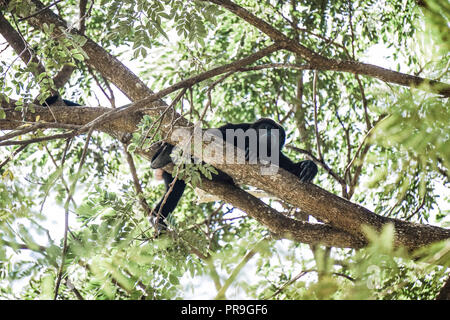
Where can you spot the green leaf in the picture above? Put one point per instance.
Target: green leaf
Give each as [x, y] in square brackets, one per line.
[173, 279]
[78, 56]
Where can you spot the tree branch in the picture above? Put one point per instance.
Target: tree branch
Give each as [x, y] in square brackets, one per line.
[323, 63]
[248, 256]
[17, 43]
[277, 223]
[61, 116]
[137, 185]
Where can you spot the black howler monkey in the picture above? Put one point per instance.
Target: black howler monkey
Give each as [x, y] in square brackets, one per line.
[264, 130]
[55, 99]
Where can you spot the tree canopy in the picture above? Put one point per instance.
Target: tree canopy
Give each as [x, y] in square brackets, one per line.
[361, 87]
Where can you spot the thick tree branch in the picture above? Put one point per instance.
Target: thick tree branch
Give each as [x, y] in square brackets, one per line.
[79, 116]
[21, 48]
[99, 59]
[323, 63]
[335, 210]
[17, 43]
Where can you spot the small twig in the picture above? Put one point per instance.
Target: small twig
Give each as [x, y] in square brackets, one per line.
[32, 126]
[12, 155]
[24, 246]
[66, 228]
[400, 200]
[40, 139]
[136, 182]
[316, 129]
[358, 170]
[442, 171]
[66, 208]
[351, 28]
[294, 279]
[170, 107]
[70, 285]
[301, 274]
[362, 154]
[300, 67]
[343, 275]
[364, 102]
[417, 210]
[191, 104]
[346, 130]
[66, 186]
[110, 97]
[208, 93]
[64, 250]
[5, 48]
[63, 160]
[363, 142]
[244, 261]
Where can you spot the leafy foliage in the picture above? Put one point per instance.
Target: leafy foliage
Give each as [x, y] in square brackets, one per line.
[390, 145]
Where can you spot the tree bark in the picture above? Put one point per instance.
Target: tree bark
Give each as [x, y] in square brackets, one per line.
[444, 294]
[66, 115]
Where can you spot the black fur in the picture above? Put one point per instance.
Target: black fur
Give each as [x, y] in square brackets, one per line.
[172, 198]
[305, 170]
[55, 99]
